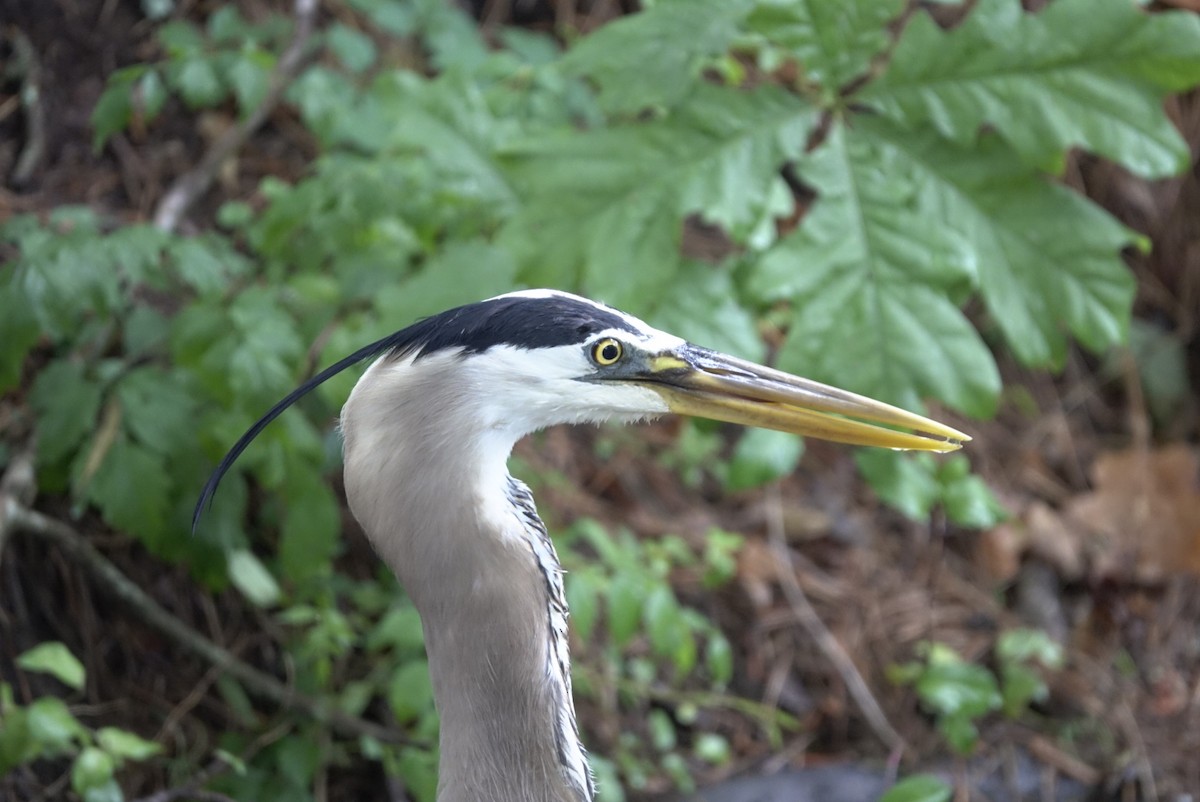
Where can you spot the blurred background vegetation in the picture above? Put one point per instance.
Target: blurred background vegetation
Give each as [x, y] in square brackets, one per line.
[984, 208]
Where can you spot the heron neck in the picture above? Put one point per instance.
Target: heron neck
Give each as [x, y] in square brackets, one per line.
[465, 542]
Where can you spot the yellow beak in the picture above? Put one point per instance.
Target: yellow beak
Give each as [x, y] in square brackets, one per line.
[707, 384]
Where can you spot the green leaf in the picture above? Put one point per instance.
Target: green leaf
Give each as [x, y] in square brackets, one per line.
[410, 692]
[634, 70]
[625, 604]
[605, 208]
[1024, 645]
[400, 629]
[310, 527]
[871, 284]
[834, 40]
[132, 490]
[18, 332]
[151, 95]
[763, 456]
[204, 263]
[157, 409]
[969, 502]
[249, 75]
[704, 309]
[718, 658]
[252, 578]
[462, 272]
[115, 106]
[919, 788]
[1019, 687]
[180, 38]
[1079, 73]
[66, 401]
[583, 600]
[904, 481]
[92, 769]
[198, 83]
[712, 748]
[55, 659]
[52, 727]
[353, 48]
[226, 25]
[125, 745]
[959, 689]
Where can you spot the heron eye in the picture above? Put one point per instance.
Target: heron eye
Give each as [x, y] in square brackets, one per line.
[607, 351]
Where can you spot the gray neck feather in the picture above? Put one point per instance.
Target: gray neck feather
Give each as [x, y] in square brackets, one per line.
[463, 537]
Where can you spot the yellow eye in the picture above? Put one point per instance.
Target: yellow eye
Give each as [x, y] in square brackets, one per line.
[607, 351]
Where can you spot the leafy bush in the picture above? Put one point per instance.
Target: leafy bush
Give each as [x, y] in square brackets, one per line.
[46, 728]
[873, 172]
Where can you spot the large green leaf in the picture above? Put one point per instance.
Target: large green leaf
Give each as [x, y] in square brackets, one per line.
[1046, 259]
[870, 279]
[654, 58]
[1088, 73]
[834, 40]
[605, 208]
[132, 490]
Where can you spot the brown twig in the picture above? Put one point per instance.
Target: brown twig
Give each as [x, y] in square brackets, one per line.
[191, 185]
[16, 517]
[825, 640]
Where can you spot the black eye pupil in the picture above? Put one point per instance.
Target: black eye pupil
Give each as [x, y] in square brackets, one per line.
[610, 352]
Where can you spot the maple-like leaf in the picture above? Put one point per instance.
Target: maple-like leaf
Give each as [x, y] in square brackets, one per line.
[833, 40]
[606, 207]
[1080, 73]
[870, 281]
[630, 64]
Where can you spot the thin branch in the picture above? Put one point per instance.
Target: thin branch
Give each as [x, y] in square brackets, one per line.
[825, 640]
[15, 517]
[191, 185]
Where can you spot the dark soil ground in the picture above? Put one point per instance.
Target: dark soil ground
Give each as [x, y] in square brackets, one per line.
[1102, 551]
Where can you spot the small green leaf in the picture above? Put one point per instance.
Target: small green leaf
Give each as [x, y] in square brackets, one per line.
[1025, 645]
[250, 77]
[126, 745]
[132, 490]
[66, 401]
[904, 481]
[712, 748]
[919, 788]
[352, 47]
[718, 657]
[112, 111]
[253, 579]
[410, 692]
[1019, 686]
[969, 502]
[226, 25]
[662, 730]
[763, 456]
[625, 604]
[55, 659]
[180, 38]
[400, 629]
[583, 599]
[198, 83]
[52, 727]
[151, 95]
[959, 689]
[634, 70]
[92, 769]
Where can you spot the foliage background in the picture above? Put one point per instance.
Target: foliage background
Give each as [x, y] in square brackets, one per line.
[881, 195]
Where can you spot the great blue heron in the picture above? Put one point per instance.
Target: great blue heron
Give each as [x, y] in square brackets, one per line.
[427, 433]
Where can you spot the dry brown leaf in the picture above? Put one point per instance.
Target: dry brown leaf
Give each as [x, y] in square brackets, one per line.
[1141, 521]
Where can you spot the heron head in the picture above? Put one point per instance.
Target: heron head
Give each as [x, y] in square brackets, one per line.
[542, 357]
[519, 362]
